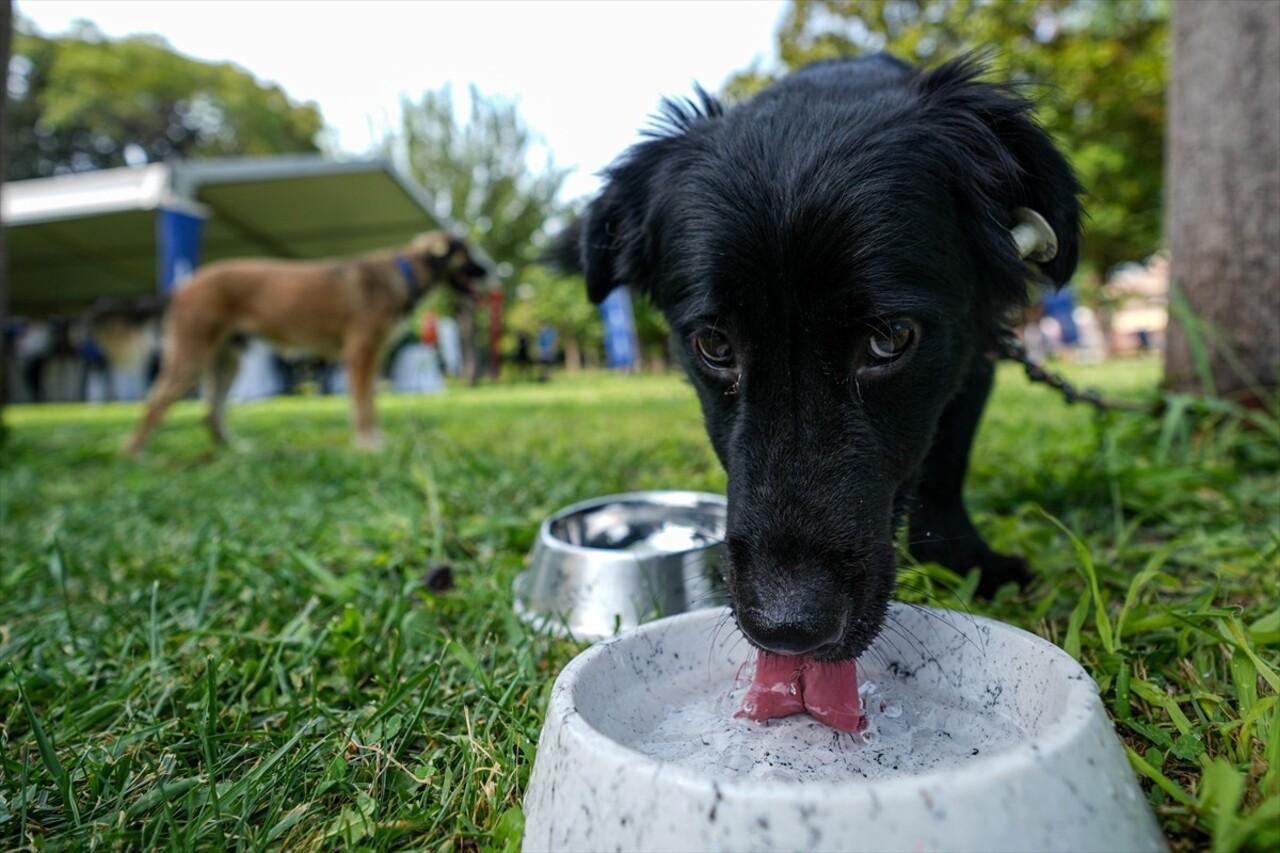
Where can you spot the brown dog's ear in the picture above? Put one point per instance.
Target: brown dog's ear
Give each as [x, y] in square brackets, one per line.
[433, 247]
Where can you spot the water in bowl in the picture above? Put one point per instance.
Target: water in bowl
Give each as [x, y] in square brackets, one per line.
[906, 732]
[658, 538]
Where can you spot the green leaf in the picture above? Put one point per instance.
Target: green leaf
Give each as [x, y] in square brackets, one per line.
[1265, 631]
[1151, 733]
[1221, 787]
[1236, 632]
[1071, 644]
[1187, 747]
[508, 831]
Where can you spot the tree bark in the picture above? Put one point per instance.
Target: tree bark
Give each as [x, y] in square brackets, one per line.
[1223, 198]
[6, 36]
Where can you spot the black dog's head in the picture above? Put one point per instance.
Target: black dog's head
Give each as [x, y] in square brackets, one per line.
[831, 257]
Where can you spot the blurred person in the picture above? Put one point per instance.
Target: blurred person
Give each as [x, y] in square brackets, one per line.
[34, 349]
[546, 350]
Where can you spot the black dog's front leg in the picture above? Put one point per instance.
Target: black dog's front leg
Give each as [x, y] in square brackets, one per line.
[939, 528]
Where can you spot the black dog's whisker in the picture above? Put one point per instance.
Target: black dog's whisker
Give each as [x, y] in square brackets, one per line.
[910, 579]
[724, 620]
[925, 611]
[934, 538]
[961, 605]
[892, 624]
[879, 655]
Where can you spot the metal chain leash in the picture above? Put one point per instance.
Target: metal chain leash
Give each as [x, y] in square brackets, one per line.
[1012, 349]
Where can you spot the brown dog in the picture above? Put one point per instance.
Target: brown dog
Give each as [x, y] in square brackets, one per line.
[338, 308]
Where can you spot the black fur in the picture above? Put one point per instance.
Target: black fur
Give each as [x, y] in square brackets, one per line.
[855, 199]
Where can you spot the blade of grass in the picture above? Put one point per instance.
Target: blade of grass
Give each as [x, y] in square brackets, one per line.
[1160, 780]
[238, 789]
[153, 631]
[425, 476]
[162, 793]
[1149, 572]
[209, 730]
[1100, 618]
[1257, 830]
[1071, 643]
[331, 586]
[58, 569]
[1235, 631]
[49, 756]
[1221, 788]
[1193, 326]
[1244, 676]
[1154, 696]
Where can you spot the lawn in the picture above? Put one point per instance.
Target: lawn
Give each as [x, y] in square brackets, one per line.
[237, 650]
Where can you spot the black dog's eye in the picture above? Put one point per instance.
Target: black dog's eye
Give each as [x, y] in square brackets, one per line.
[888, 342]
[715, 351]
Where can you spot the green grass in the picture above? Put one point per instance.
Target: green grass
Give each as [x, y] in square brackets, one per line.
[226, 650]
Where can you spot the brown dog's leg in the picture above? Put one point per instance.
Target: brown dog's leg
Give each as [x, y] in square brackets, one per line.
[178, 375]
[218, 380]
[362, 365]
[465, 317]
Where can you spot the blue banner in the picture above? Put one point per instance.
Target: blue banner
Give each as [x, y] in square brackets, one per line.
[620, 343]
[178, 233]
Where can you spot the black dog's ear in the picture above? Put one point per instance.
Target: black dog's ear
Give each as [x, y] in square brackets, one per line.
[565, 251]
[616, 242]
[1009, 162]
[1045, 183]
[618, 239]
[606, 245]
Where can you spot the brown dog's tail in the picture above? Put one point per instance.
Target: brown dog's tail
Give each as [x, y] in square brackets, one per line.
[126, 328]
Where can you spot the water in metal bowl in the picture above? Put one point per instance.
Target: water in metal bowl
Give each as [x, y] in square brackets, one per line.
[613, 562]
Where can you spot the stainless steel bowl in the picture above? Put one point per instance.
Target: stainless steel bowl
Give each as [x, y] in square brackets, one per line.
[610, 563]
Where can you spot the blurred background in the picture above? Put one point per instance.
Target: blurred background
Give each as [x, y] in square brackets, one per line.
[365, 123]
[294, 646]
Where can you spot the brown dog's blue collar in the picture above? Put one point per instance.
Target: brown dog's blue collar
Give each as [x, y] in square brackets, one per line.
[410, 278]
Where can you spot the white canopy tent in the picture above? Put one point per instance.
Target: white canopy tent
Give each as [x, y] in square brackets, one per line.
[75, 238]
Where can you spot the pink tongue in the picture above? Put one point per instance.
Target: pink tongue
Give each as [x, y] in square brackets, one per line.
[785, 685]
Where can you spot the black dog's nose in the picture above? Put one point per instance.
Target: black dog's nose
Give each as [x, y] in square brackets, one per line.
[788, 631]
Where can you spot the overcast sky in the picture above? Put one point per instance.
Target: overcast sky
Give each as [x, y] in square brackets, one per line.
[588, 74]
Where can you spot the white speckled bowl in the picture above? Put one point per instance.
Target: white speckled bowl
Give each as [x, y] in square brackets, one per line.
[640, 750]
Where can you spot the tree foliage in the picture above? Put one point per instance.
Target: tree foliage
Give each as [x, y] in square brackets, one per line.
[490, 173]
[546, 297]
[82, 101]
[1096, 69]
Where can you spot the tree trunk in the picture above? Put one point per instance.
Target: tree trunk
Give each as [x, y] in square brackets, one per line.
[1223, 198]
[572, 356]
[6, 35]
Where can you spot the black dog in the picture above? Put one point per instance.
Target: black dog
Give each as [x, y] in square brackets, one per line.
[835, 260]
